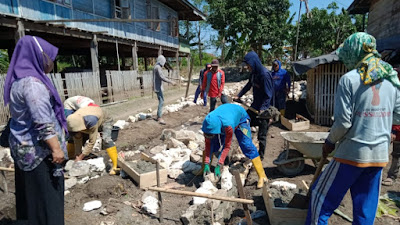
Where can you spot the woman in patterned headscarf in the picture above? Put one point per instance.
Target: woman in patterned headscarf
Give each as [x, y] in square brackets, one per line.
[367, 101]
[38, 126]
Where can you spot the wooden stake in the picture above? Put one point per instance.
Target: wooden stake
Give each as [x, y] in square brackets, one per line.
[5, 185]
[190, 78]
[189, 193]
[242, 195]
[159, 193]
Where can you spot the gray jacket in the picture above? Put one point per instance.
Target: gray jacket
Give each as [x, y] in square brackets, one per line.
[158, 76]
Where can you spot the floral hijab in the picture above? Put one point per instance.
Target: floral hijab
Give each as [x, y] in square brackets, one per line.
[359, 52]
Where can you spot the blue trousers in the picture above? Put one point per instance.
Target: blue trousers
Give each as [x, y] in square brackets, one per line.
[160, 97]
[243, 135]
[330, 188]
[197, 93]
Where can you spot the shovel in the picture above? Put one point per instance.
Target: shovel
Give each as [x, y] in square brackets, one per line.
[300, 201]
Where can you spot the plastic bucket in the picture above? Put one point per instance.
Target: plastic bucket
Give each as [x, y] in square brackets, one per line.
[114, 133]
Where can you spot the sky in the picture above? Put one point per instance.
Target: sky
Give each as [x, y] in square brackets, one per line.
[293, 9]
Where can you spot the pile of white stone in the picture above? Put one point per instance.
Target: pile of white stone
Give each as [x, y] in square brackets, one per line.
[81, 172]
[298, 90]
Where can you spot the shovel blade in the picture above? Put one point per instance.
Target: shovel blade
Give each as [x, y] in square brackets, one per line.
[299, 202]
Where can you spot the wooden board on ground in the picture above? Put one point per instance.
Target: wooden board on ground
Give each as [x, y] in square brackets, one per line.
[303, 124]
[144, 180]
[280, 215]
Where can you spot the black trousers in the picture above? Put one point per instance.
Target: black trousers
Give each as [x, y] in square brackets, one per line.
[213, 101]
[39, 195]
[262, 131]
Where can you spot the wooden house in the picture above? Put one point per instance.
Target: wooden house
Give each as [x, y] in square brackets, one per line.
[383, 24]
[109, 35]
[323, 74]
[92, 27]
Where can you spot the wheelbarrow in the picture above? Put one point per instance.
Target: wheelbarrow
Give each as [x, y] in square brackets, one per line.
[308, 146]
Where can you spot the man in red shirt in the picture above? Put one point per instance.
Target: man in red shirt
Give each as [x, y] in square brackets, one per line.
[213, 84]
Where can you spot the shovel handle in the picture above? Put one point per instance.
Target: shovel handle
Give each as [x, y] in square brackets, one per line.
[317, 173]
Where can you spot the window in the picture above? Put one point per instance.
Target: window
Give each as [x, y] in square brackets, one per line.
[175, 27]
[153, 12]
[155, 15]
[122, 9]
[148, 13]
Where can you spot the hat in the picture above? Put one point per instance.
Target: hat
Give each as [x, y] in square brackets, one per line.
[214, 62]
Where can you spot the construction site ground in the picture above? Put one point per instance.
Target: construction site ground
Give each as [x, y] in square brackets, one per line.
[122, 197]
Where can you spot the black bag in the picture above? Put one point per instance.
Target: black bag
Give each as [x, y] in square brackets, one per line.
[4, 135]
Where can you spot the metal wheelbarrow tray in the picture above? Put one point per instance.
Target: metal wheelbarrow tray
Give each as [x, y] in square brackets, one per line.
[308, 146]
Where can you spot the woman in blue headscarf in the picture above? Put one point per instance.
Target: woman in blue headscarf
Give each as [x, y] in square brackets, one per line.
[37, 137]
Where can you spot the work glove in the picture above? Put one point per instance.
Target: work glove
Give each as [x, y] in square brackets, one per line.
[206, 170]
[217, 171]
[327, 148]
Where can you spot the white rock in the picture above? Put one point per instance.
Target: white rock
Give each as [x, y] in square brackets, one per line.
[97, 164]
[173, 143]
[150, 205]
[185, 135]
[69, 165]
[174, 173]
[132, 119]
[94, 177]
[89, 206]
[190, 166]
[80, 168]
[5, 154]
[97, 144]
[66, 192]
[206, 188]
[157, 149]
[192, 145]
[226, 179]
[283, 185]
[149, 110]
[121, 124]
[164, 160]
[69, 183]
[84, 180]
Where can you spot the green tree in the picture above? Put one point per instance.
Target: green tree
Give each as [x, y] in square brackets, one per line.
[254, 23]
[324, 31]
[4, 63]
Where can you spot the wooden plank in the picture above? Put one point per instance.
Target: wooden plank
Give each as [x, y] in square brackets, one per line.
[194, 194]
[280, 215]
[303, 125]
[242, 195]
[143, 180]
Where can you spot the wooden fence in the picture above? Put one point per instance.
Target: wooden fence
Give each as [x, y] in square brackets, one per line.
[121, 85]
[321, 88]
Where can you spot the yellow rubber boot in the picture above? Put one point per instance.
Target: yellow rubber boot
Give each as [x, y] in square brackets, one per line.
[262, 178]
[113, 154]
[282, 111]
[71, 151]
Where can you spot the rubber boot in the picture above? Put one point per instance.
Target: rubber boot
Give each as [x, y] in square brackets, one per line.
[113, 154]
[260, 172]
[71, 150]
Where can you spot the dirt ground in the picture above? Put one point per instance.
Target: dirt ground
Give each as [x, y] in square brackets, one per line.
[122, 197]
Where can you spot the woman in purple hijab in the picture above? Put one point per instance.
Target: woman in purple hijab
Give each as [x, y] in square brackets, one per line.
[37, 137]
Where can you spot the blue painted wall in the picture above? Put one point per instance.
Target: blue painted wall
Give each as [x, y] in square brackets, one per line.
[96, 9]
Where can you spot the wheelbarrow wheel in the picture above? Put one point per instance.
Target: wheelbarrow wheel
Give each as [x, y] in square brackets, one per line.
[292, 168]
